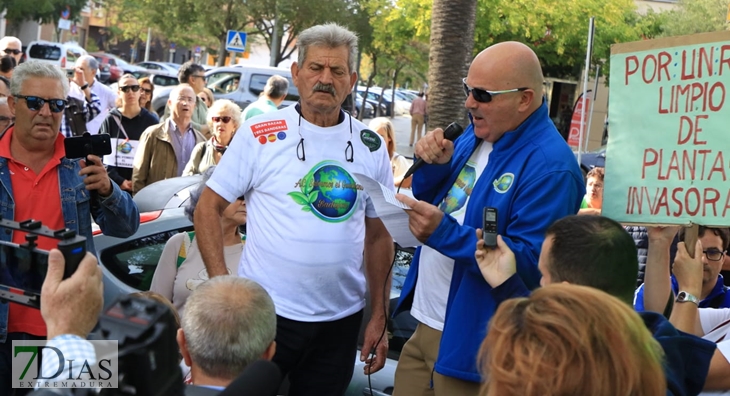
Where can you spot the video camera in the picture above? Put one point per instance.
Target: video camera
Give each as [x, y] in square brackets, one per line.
[23, 267]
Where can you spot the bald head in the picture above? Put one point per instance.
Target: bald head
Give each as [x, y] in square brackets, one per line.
[515, 63]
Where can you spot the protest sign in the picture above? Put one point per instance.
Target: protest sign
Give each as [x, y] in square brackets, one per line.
[668, 155]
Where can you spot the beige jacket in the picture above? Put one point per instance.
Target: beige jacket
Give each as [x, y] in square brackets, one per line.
[155, 158]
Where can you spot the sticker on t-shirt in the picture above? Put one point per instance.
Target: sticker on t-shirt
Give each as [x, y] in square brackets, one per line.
[504, 182]
[328, 191]
[268, 128]
[122, 154]
[370, 139]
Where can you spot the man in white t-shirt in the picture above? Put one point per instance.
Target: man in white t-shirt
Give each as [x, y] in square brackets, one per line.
[108, 98]
[313, 235]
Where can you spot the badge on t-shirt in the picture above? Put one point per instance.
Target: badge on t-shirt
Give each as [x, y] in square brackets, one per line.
[370, 139]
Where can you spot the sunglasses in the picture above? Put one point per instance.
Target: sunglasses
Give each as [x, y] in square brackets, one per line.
[147, 91]
[224, 120]
[199, 76]
[35, 103]
[12, 51]
[134, 88]
[484, 96]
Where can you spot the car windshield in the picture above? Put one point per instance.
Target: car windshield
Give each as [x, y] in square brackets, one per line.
[41, 51]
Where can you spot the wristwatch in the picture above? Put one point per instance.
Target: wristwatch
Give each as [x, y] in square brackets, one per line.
[683, 296]
[83, 87]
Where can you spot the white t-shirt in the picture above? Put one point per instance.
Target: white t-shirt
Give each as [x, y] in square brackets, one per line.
[107, 97]
[435, 269]
[306, 219]
[724, 348]
[715, 323]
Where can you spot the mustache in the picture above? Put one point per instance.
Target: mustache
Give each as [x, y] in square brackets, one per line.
[329, 88]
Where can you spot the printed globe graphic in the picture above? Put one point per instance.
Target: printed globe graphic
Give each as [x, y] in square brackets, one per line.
[504, 182]
[125, 148]
[457, 196]
[337, 194]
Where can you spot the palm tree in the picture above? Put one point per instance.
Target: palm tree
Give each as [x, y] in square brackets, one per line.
[452, 42]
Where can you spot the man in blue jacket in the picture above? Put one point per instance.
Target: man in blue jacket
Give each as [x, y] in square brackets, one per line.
[510, 158]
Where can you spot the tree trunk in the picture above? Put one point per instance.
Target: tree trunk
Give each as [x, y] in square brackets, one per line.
[452, 42]
[222, 51]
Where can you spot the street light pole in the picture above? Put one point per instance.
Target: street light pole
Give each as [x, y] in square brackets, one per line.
[147, 47]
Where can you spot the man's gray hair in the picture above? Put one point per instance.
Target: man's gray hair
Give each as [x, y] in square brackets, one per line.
[89, 60]
[276, 87]
[329, 35]
[229, 322]
[37, 69]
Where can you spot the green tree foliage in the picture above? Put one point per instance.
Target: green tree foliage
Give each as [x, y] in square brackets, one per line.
[558, 32]
[46, 11]
[696, 16]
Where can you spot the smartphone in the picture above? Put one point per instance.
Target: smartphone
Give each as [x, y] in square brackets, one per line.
[489, 227]
[22, 268]
[81, 146]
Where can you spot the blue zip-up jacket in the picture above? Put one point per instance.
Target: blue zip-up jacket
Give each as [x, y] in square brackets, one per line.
[533, 179]
[686, 357]
[718, 297]
[116, 215]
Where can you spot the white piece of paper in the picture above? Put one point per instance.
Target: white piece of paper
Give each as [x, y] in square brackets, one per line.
[390, 211]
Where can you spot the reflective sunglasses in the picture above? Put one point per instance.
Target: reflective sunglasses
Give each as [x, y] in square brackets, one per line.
[713, 254]
[224, 120]
[35, 103]
[134, 88]
[12, 51]
[484, 96]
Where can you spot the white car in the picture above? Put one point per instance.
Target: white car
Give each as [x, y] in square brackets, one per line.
[63, 55]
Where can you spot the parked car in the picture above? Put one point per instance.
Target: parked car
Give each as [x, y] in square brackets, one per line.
[159, 66]
[592, 159]
[159, 78]
[63, 55]
[374, 96]
[117, 65]
[128, 265]
[241, 84]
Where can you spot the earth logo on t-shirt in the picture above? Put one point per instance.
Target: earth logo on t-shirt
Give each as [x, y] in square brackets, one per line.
[461, 190]
[124, 148]
[328, 191]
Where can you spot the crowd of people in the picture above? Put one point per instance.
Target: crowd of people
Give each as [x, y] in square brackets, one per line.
[287, 245]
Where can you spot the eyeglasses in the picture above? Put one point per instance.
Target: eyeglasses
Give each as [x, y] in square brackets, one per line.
[186, 99]
[484, 96]
[6, 119]
[713, 254]
[12, 51]
[147, 91]
[302, 156]
[198, 76]
[224, 119]
[35, 103]
[134, 88]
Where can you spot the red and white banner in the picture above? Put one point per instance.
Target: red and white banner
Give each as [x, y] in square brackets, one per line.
[574, 135]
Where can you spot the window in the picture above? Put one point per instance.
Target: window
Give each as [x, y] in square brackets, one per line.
[258, 82]
[164, 81]
[224, 82]
[42, 51]
[134, 262]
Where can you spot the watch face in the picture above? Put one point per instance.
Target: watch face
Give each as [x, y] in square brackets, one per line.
[681, 296]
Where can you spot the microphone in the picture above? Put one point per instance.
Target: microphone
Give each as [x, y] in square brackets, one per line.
[451, 132]
[260, 378]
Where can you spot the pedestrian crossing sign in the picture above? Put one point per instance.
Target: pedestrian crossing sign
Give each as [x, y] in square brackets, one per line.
[236, 41]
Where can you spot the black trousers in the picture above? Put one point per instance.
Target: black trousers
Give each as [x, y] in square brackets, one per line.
[319, 357]
[6, 354]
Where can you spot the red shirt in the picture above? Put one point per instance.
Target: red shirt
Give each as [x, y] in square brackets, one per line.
[37, 197]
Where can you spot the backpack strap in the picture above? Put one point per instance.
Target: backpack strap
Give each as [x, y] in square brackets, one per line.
[182, 254]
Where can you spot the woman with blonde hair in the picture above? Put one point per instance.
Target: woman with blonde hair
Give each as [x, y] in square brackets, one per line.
[207, 96]
[570, 340]
[224, 118]
[399, 163]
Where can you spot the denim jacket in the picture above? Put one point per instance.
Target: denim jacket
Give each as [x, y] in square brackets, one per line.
[116, 215]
